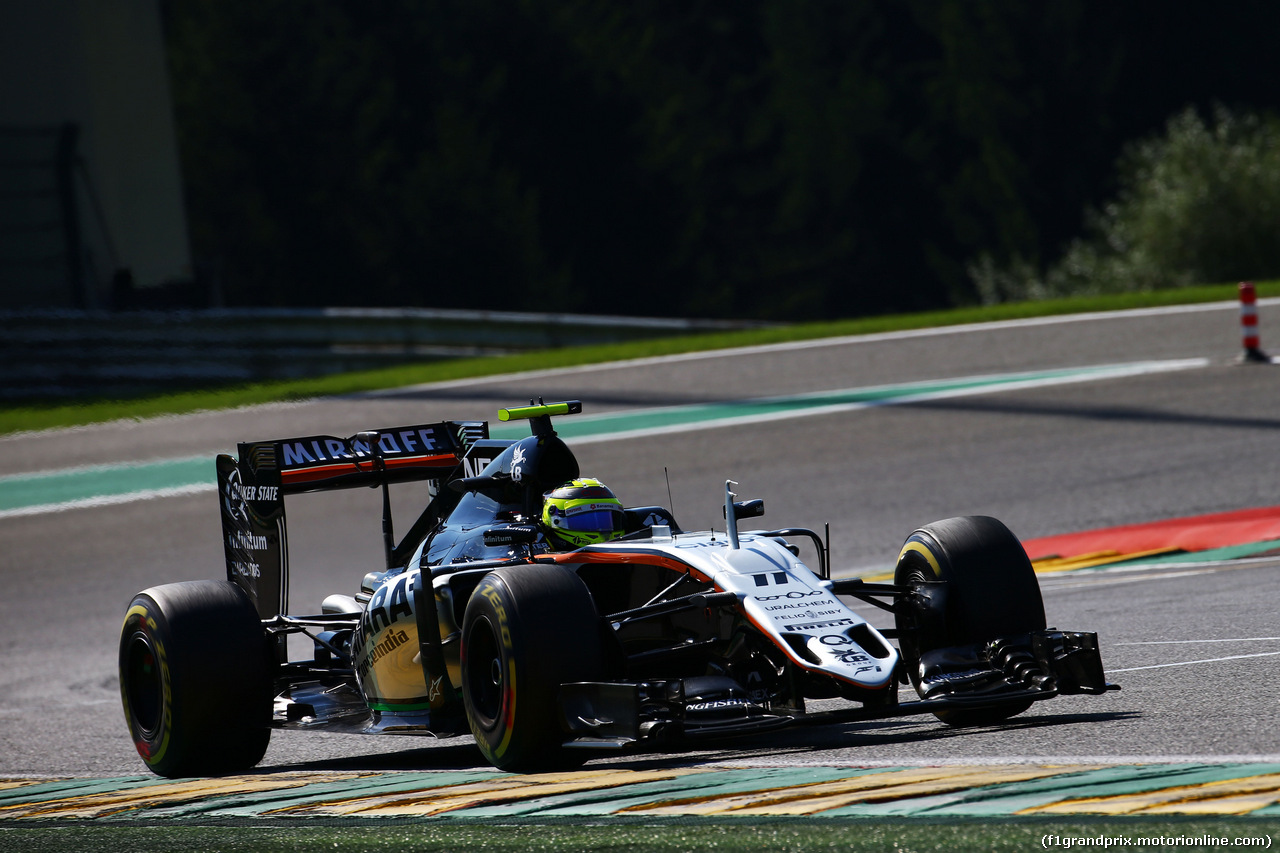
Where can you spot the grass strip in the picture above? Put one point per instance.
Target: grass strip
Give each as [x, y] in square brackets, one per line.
[855, 836]
[36, 416]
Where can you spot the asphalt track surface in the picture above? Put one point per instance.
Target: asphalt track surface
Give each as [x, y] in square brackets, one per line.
[1195, 648]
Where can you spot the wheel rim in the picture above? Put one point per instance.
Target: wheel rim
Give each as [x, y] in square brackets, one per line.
[912, 640]
[484, 675]
[144, 687]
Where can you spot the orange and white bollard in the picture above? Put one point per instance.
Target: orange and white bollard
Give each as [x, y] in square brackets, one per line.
[1249, 324]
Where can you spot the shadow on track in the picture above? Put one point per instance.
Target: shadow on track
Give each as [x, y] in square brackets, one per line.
[808, 740]
[1101, 414]
[886, 732]
[453, 754]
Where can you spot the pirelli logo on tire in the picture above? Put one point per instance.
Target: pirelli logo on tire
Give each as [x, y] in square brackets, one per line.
[488, 591]
[147, 661]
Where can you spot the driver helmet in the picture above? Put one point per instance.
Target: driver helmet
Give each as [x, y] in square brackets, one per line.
[583, 512]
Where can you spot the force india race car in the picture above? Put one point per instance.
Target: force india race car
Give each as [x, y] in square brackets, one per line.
[476, 624]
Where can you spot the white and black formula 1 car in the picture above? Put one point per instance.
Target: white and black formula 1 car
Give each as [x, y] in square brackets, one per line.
[475, 625]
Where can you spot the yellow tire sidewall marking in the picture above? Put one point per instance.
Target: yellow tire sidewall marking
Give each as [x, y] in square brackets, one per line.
[917, 547]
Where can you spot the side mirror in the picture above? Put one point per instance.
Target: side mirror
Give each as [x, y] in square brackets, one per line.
[471, 484]
[748, 509]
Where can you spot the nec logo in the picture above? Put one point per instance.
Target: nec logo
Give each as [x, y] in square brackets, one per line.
[473, 465]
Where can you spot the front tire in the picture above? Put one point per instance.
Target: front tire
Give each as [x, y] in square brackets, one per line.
[195, 679]
[527, 630]
[991, 591]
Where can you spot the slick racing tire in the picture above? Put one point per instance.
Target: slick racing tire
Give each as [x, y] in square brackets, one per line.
[527, 630]
[991, 591]
[196, 679]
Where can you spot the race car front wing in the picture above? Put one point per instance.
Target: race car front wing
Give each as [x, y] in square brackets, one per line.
[1024, 668]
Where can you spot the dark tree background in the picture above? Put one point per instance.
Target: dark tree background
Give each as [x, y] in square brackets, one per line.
[735, 158]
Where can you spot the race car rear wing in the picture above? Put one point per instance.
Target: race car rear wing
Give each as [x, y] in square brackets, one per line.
[252, 488]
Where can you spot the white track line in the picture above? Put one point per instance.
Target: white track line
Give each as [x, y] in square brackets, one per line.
[1192, 642]
[843, 340]
[1193, 662]
[108, 500]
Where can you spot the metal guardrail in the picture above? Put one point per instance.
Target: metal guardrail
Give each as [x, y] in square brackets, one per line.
[45, 354]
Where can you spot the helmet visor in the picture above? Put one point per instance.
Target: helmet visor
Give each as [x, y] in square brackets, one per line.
[593, 520]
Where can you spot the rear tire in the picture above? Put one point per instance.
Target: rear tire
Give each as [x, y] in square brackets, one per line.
[527, 630]
[991, 592]
[196, 679]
